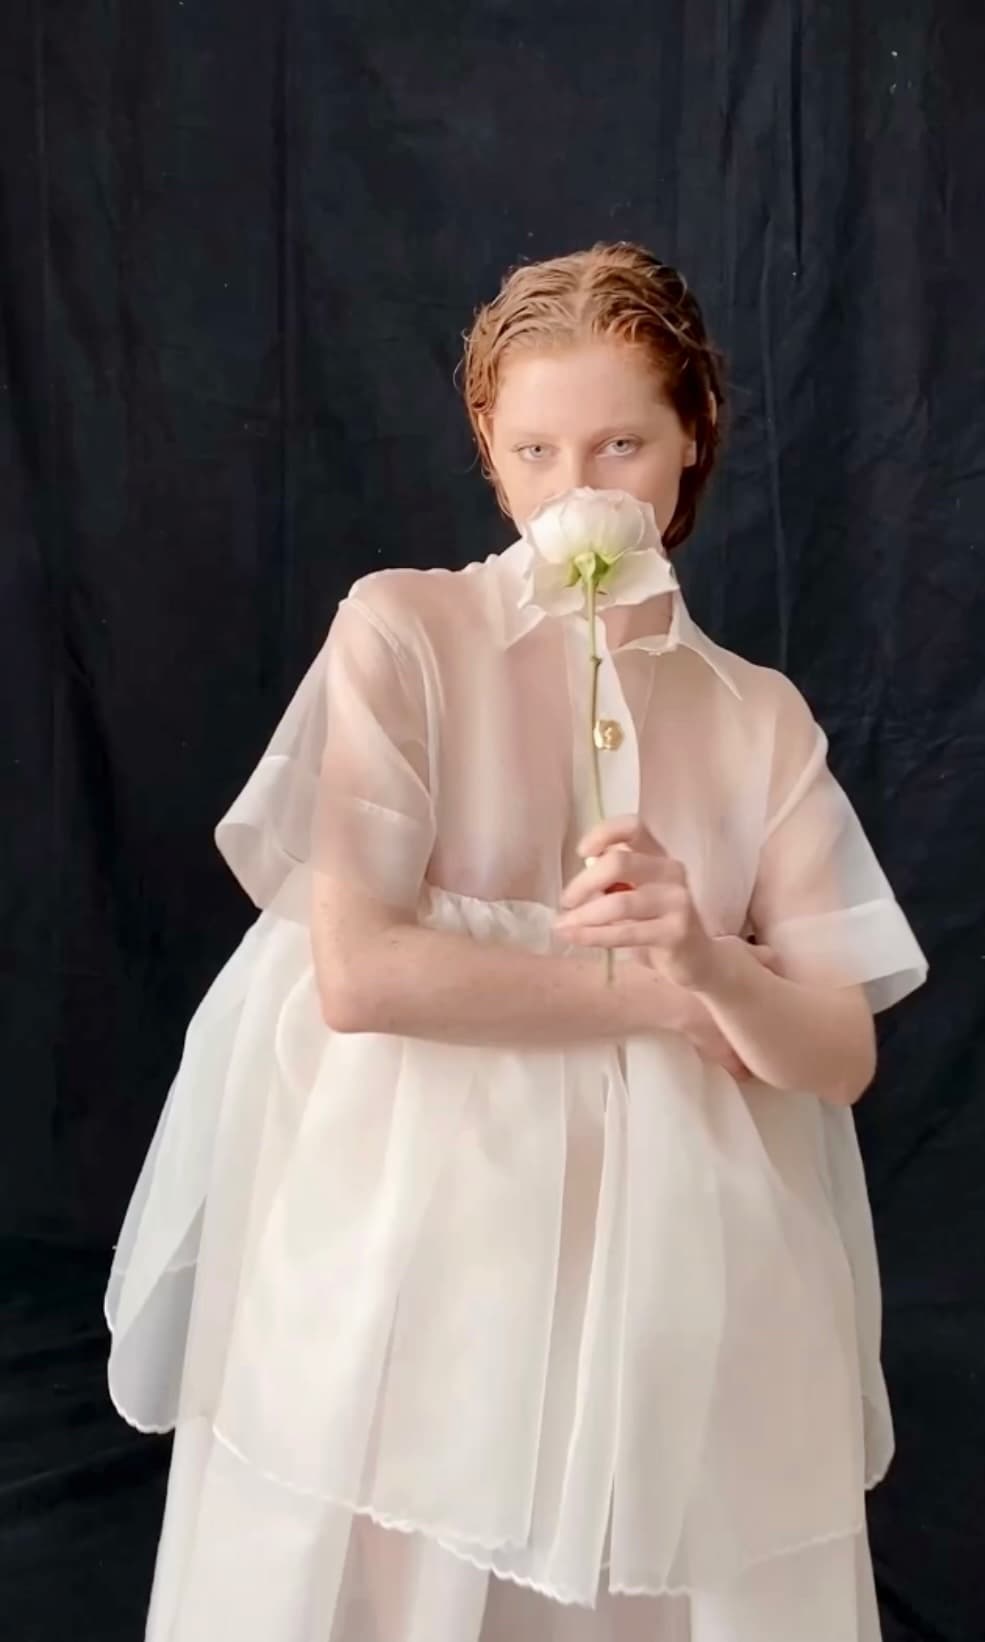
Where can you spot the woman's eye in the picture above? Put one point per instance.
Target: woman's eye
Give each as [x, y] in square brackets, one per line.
[623, 447]
[533, 453]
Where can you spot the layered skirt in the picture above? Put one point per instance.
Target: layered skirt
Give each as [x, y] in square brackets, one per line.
[482, 1345]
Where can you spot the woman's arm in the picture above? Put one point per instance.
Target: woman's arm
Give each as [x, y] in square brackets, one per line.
[380, 972]
[790, 1035]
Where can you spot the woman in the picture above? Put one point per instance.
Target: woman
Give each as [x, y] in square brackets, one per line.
[497, 1295]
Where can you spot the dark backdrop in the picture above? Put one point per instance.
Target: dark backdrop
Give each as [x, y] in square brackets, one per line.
[239, 245]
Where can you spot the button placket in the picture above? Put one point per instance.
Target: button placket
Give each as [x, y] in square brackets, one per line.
[613, 730]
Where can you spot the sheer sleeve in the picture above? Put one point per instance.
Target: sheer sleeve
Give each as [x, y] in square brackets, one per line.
[821, 899]
[343, 786]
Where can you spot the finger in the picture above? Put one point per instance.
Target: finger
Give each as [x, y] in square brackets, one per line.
[619, 866]
[656, 933]
[611, 936]
[640, 904]
[620, 850]
[618, 829]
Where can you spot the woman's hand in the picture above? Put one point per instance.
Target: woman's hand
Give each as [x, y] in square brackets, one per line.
[710, 1042]
[702, 1030]
[632, 894]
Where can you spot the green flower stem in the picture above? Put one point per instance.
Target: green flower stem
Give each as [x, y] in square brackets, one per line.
[591, 593]
[593, 705]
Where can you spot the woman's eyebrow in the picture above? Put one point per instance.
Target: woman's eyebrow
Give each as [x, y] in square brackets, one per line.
[533, 437]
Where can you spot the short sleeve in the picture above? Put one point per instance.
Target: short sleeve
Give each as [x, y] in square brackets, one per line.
[343, 786]
[821, 899]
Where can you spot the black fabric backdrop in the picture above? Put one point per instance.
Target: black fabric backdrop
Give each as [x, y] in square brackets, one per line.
[239, 245]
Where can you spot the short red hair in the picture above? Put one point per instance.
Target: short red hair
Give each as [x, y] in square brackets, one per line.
[615, 291]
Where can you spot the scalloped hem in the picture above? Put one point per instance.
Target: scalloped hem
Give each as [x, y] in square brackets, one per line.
[132, 1420]
[481, 1555]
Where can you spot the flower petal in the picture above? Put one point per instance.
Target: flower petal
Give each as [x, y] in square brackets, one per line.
[608, 520]
[546, 533]
[548, 587]
[639, 576]
[617, 527]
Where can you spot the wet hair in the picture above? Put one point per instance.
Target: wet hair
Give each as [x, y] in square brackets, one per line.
[618, 291]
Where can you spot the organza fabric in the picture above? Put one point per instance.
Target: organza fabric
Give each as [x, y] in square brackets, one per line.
[468, 1345]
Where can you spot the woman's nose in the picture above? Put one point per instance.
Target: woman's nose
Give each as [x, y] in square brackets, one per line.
[577, 469]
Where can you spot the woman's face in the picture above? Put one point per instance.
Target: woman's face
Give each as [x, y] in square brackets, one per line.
[591, 414]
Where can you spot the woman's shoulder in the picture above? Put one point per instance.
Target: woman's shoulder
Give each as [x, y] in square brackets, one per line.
[769, 713]
[437, 605]
[763, 691]
[777, 718]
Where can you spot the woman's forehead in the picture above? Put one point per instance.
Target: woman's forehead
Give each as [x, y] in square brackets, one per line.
[600, 381]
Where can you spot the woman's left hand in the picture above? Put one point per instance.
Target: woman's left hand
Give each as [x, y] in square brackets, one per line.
[634, 895]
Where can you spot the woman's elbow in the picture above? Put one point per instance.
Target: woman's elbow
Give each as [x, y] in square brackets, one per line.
[864, 1082]
[345, 951]
[860, 1071]
[341, 1011]
[346, 997]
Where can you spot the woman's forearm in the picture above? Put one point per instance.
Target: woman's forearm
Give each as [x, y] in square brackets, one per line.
[790, 1035]
[418, 982]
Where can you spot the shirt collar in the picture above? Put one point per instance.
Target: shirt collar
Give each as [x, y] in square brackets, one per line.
[684, 631]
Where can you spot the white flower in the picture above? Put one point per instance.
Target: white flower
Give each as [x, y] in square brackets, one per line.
[605, 537]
